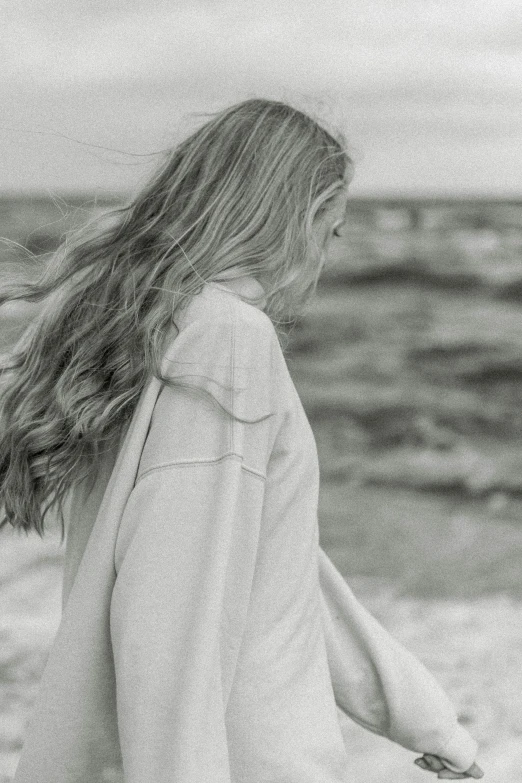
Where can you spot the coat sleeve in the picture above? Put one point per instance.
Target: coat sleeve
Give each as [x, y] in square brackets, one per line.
[382, 686]
[185, 560]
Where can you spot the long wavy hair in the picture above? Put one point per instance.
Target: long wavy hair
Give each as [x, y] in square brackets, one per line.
[238, 196]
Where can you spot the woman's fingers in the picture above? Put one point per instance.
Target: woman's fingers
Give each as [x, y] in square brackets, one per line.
[475, 772]
[432, 763]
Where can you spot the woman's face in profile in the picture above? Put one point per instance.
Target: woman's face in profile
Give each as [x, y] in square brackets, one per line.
[328, 230]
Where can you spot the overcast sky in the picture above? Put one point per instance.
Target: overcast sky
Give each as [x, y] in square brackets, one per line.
[428, 93]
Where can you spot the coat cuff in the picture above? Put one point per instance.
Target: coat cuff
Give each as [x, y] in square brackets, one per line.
[460, 751]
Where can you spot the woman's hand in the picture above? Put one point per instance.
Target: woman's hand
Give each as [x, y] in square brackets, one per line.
[433, 763]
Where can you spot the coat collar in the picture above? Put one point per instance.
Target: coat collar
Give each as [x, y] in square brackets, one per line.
[245, 287]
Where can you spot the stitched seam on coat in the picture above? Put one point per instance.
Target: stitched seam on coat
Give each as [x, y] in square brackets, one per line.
[232, 378]
[187, 463]
[231, 314]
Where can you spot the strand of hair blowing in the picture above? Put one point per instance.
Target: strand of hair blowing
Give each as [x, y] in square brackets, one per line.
[241, 192]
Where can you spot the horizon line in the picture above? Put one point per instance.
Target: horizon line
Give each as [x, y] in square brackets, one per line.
[117, 196]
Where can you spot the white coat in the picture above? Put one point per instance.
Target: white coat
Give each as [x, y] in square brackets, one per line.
[206, 637]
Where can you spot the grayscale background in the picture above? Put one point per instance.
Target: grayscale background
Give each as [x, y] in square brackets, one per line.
[408, 362]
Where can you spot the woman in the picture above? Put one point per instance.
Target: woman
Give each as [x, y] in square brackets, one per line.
[205, 635]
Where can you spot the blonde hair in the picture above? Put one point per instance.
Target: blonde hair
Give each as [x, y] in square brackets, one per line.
[239, 195]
